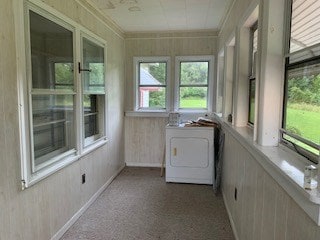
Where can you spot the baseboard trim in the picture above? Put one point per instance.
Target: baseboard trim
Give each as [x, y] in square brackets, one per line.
[75, 217]
[135, 164]
[233, 226]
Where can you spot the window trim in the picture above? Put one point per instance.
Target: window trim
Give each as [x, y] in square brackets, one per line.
[86, 142]
[37, 91]
[23, 60]
[220, 83]
[252, 74]
[202, 58]
[300, 150]
[136, 65]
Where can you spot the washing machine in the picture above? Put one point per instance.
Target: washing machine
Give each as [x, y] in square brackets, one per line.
[190, 154]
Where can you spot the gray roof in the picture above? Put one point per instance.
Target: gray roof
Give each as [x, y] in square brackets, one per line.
[147, 79]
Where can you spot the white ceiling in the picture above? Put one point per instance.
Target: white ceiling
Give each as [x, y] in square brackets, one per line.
[164, 15]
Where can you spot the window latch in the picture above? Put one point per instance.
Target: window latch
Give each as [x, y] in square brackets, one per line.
[83, 69]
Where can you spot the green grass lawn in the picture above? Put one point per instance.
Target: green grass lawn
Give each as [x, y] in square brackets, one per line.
[306, 119]
[193, 103]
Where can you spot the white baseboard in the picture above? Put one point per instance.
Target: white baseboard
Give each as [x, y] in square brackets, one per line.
[75, 217]
[136, 164]
[233, 226]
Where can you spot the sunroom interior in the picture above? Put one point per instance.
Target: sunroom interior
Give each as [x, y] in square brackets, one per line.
[89, 87]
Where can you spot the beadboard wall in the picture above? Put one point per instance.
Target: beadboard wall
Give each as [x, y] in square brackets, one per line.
[263, 210]
[40, 211]
[144, 141]
[145, 136]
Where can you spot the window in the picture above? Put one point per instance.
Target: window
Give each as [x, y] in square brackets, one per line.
[227, 104]
[220, 84]
[301, 116]
[93, 90]
[51, 97]
[151, 77]
[252, 77]
[193, 83]
[54, 92]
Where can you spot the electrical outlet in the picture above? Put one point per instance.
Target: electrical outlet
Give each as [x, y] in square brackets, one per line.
[83, 178]
[235, 193]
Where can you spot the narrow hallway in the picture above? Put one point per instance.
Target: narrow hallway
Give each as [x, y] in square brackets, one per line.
[140, 205]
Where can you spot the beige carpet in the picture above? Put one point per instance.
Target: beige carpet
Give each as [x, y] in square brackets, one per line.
[139, 204]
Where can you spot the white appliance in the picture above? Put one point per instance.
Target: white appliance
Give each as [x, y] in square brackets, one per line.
[190, 154]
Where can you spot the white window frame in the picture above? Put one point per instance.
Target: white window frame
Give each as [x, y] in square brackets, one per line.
[252, 72]
[92, 140]
[220, 83]
[136, 64]
[204, 58]
[29, 174]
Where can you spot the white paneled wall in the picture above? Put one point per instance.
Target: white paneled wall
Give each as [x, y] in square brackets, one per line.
[144, 141]
[42, 210]
[263, 210]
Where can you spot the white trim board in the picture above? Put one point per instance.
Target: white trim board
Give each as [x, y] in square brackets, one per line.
[137, 164]
[78, 214]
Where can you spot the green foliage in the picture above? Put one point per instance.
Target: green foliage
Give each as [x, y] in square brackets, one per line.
[194, 72]
[63, 73]
[196, 92]
[158, 71]
[97, 73]
[305, 89]
[293, 129]
[157, 99]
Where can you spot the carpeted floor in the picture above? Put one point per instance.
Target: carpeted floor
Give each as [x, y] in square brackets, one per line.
[139, 204]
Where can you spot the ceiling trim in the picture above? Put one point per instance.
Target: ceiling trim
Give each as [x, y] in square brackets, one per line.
[108, 22]
[226, 17]
[172, 34]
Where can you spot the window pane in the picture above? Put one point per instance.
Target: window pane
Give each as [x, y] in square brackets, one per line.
[152, 97]
[152, 73]
[252, 100]
[91, 125]
[93, 116]
[305, 22]
[93, 62]
[220, 85]
[194, 73]
[254, 52]
[63, 75]
[53, 126]
[50, 43]
[303, 102]
[193, 97]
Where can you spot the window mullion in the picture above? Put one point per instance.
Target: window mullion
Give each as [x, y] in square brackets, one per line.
[78, 98]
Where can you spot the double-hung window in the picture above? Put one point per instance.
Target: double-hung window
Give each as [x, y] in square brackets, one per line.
[151, 81]
[301, 111]
[252, 71]
[92, 72]
[52, 91]
[64, 94]
[193, 83]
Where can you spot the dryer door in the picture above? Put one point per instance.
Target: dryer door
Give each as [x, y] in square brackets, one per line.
[189, 152]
